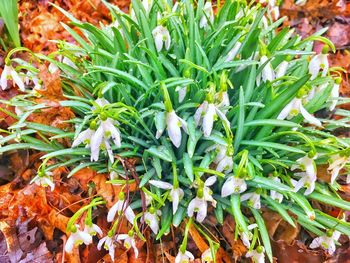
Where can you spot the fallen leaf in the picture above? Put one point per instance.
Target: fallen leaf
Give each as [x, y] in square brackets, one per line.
[197, 238]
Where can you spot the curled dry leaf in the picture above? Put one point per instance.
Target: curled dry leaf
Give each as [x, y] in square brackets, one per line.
[279, 229]
[55, 116]
[339, 34]
[198, 240]
[108, 191]
[295, 252]
[84, 177]
[13, 246]
[228, 231]
[321, 8]
[52, 85]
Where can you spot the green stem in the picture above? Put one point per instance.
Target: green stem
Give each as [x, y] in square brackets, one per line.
[167, 100]
[184, 241]
[175, 180]
[81, 211]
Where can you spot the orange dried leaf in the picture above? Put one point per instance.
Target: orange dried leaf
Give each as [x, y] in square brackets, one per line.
[197, 238]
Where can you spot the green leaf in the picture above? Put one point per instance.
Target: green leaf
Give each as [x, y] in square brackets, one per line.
[304, 204]
[120, 74]
[280, 209]
[272, 122]
[268, 183]
[161, 152]
[237, 213]
[9, 12]
[78, 168]
[330, 200]
[188, 166]
[166, 220]
[240, 122]
[273, 145]
[263, 233]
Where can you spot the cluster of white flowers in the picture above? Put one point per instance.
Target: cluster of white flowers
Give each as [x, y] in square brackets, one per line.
[326, 241]
[97, 138]
[78, 237]
[20, 79]
[273, 8]
[103, 133]
[308, 176]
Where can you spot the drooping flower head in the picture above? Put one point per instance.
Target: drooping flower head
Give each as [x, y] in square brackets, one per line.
[326, 241]
[122, 208]
[77, 237]
[129, 241]
[208, 15]
[161, 37]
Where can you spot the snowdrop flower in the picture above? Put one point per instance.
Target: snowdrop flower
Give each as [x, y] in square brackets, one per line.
[281, 69]
[295, 107]
[300, 2]
[148, 199]
[31, 76]
[326, 241]
[253, 199]
[10, 73]
[101, 102]
[121, 207]
[221, 152]
[151, 217]
[182, 91]
[274, 194]
[109, 28]
[233, 185]
[84, 137]
[108, 245]
[104, 132]
[308, 178]
[337, 163]
[176, 194]
[93, 229]
[275, 12]
[77, 238]
[52, 68]
[69, 62]
[306, 164]
[223, 158]
[308, 181]
[335, 94]
[44, 180]
[161, 36]
[257, 255]
[318, 62]
[199, 205]
[147, 5]
[115, 176]
[207, 256]
[225, 164]
[247, 237]
[207, 191]
[267, 73]
[173, 124]
[208, 14]
[233, 52]
[223, 101]
[129, 241]
[185, 257]
[205, 116]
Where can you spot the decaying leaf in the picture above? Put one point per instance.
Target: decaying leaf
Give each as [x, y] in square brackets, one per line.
[279, 229]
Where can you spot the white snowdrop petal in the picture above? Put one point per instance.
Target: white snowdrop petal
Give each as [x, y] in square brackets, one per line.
[161, 185]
